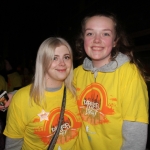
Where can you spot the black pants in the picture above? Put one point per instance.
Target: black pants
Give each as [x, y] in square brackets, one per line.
[2, 126]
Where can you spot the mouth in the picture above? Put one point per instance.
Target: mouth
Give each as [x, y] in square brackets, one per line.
[61, 70]
[97, 48]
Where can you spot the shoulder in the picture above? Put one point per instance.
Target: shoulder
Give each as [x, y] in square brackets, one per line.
[130, 71]
[78, 69]
[14, 75]
[17, 75]
[22, 93]
[129, 68]
[20, 99]
[2, 79]
[3, 84]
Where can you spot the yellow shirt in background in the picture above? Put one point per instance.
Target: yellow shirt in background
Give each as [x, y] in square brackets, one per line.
[3, 84]
[14, 81]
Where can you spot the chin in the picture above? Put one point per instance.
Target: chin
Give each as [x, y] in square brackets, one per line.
[62, 78]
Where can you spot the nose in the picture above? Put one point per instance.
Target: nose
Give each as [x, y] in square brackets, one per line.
[97, 39]
[61, 62]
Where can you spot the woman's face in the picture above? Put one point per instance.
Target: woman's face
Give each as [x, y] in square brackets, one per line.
[99, 39]
[60, 67]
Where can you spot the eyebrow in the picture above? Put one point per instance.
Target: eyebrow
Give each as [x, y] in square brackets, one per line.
[107, 30]
[102, 30]
[64, 54]
[88, 29]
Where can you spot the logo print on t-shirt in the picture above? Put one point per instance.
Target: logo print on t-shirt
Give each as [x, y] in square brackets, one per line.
[43, 115]
[93, 104]
[68, 131]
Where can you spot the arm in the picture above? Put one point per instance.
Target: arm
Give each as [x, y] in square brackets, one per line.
[10, 95]
[14, 129]
[135, 106]
[134, 135]
[15, 144]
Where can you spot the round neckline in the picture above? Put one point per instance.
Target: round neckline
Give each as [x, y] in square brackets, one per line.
[48, 89]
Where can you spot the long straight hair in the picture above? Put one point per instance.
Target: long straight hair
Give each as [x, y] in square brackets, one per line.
[44, 59]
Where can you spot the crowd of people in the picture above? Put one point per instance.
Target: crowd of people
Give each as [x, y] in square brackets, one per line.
[102, 105]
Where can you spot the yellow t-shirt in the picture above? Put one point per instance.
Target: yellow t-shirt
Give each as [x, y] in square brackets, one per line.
[3, 84]
[37, 125]
[108, 100]
[14, 81]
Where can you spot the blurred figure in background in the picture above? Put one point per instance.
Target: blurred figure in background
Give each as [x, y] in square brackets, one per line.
[3, 87]
[3, 83]
[3, 68]
[26, 76]
[14, 78]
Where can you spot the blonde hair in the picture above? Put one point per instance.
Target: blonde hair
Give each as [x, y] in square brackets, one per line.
[44, 58]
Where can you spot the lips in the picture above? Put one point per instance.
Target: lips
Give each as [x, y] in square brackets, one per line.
[61, 70]
[97, 48]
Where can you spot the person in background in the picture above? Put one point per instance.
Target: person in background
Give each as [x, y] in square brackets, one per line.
[111, 90]
[14, 79]
[3, 84]
[3, 69]
[26, 76]
[3, 87]
[34, 111]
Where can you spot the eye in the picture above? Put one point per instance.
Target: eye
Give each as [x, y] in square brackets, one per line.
[55, 58]
[89, 33]
[106, 34]
[67, 57]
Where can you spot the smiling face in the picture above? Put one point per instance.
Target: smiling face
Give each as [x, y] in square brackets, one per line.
[99, 39]
[59, 68]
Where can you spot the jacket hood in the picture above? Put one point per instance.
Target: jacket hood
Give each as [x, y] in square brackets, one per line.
[110, 67]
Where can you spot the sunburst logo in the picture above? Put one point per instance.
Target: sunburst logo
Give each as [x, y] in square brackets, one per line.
[93, 104]
[69, 128]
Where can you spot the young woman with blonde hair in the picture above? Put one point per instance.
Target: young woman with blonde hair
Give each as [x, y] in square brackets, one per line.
[33, 114]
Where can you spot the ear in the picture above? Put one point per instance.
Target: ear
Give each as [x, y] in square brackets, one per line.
[115, 42]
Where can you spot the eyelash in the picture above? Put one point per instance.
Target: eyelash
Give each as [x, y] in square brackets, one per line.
[106, 34]
[55, 58]
[91, 34]
[65, 57]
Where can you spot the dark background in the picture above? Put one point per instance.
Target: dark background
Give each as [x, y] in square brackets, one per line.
[24, 25]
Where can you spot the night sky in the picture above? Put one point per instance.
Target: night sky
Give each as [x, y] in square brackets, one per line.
[26, 24]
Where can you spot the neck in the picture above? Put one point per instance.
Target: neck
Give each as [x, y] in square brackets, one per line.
[53, 89]
[99, 63]
[53, 84]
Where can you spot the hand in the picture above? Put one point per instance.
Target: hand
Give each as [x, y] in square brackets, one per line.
[7, 103]
[2, 108]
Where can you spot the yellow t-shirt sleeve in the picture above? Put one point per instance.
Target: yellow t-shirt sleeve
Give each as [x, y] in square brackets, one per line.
[135, 97]
[14, 123]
